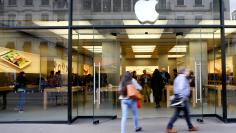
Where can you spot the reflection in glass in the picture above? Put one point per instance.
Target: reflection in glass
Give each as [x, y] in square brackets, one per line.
[42, 56]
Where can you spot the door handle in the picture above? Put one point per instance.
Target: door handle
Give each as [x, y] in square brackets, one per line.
[98, 91]
[99, 83]
[198, 81]
[94, 84]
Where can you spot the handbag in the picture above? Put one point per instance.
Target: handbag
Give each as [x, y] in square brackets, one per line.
[139, 103]
[133, 93]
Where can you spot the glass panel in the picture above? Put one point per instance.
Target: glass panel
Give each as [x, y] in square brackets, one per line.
[40, 94]
[169, 49]
[96, 57]
[57, 11]
[107, 62]
[196, 49]
[230, 71]
[202, 59]
[121, 12]
[82, 69]
[230, 12]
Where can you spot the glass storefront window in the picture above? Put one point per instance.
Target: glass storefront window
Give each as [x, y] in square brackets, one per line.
[40, 94]
[43, 54]
[96, 60]
[121, 12]
[230, 12]
[230, 71]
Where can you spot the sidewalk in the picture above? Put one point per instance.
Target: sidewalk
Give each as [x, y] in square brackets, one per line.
[153, 125]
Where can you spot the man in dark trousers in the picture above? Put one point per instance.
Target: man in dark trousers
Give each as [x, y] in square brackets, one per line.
[157, 87]
[181, 89]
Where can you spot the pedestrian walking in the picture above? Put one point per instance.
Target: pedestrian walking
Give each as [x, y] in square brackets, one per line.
[181, 89]
[128, 101]
[157, 87]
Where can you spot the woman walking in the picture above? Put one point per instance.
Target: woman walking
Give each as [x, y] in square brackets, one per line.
[157, 86]
[128, 102]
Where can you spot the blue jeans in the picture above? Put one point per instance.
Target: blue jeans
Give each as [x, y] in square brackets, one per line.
[21, 99]
[176, 115]
[125, 105]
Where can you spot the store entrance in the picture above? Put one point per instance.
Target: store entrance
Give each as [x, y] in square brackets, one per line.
[101, 57]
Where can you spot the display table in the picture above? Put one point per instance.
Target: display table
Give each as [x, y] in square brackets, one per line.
[3, 92]
[63, 89]
[218, 89]
[110, 89]
[169, 92]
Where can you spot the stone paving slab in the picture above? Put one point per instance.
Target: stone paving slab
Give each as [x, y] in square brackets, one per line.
[152, 125]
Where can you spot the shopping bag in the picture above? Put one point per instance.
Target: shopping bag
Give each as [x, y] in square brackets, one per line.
[133, 93]
[176, 101]
[151, 98]
[139, 104]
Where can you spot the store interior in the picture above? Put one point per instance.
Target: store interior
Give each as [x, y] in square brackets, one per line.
[99, 59]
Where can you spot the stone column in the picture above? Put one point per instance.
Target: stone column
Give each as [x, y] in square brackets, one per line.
[111, 61]
[198, 54]
[163, 61]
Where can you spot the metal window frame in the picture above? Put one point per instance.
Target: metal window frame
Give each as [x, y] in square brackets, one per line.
[70, 27]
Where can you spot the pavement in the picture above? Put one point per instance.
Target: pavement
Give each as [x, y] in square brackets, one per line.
[150, 125]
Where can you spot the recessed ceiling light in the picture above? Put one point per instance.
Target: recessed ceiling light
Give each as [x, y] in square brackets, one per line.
[148, 48]
[144, 33]
[142, 56]
[175, 56]
[95, 49]
[179, 48]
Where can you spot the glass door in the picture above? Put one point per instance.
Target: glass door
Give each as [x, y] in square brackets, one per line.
[197, 50]
[98, 69]
[105, 74]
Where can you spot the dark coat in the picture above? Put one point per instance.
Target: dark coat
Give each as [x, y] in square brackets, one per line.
[21, 82]
[157, 83]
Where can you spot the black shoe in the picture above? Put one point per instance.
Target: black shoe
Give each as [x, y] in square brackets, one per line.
[138, 129]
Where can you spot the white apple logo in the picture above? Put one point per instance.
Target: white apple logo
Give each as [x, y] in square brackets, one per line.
[145, 11]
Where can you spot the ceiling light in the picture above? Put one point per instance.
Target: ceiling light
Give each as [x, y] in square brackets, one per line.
[60, 23]
[179, 48]
[136, 22]
[175, 56]
[75, 47]
[81, 36]
[142, 56]
[142, 33]
[209, 22]
[148, 48]
[95, 49]
[202, 36]
[145, 36]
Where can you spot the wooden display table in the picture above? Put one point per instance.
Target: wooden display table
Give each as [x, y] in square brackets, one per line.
[218, 89]
[3, 92]
[63, 89]
[169, 92]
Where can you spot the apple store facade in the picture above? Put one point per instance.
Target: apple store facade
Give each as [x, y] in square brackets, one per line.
[73, 53]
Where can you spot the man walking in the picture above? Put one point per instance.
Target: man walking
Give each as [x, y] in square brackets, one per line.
[145, 80]
[181, 89]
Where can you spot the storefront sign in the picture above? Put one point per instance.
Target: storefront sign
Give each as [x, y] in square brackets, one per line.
[145, 11]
